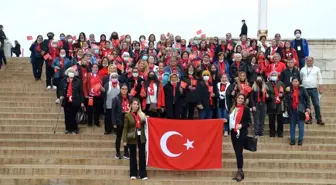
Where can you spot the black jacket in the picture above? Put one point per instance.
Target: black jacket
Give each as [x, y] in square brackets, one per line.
[77, 91]
[246, 121]
[304, 102]
[287, 75]
[117, 114]
[173, 103]
[269, 51]
[234, 69]
[191, 95]
[272, 107]
[243, 30]
[203, 95]
[130, 84]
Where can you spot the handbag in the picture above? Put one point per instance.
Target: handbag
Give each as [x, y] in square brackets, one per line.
[251, 144]
[81, 117]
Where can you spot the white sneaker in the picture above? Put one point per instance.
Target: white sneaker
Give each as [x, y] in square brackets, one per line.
[133, 178]
[49, 87]
[145, 178]
[57, 101]
[54, 87]
[226, 133]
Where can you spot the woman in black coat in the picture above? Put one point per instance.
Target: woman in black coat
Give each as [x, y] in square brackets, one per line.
[120, 106]
[240, 119]
[191, 79]
[298, 104]
[173, 97]
[72, 99]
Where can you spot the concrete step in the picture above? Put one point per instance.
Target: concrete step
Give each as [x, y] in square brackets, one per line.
[110, 152]
[227, 163]
[29, 109]
[124, 171]
[175, 180]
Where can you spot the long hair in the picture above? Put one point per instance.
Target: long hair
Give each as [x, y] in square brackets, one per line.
[238, 82]
[255, 86]
[235, 101]
[141, 114]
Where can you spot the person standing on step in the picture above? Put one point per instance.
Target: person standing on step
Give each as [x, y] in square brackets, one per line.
[36, 57]
[72, 99]
[301, 46]
[240, 119]
[312, 80]
[53, 52]
[275, 105]
[224, 90]
[120, 107]
[173, 97]
[258, 102]
[60, 65]
[110, 91]
[133, 136]
[95, 100]
[298, 105]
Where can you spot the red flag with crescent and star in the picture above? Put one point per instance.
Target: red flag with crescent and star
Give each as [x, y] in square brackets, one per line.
[184, 144]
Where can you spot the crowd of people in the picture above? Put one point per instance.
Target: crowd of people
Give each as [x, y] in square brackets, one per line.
[171, 77]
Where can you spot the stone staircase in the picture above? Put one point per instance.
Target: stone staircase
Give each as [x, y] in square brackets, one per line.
[30, 154]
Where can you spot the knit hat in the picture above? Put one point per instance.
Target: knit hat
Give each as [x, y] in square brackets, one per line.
[206, 72]
[273, 73]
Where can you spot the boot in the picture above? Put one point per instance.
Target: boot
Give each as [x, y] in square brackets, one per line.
[239, 176]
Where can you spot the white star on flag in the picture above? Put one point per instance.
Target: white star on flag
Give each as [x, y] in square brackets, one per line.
[189, 144]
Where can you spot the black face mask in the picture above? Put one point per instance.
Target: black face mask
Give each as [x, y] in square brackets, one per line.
[178, 40]
[50, 37]
[259, 82]
[114, 36]
[151, 77]
[213, 72]
[83, 65]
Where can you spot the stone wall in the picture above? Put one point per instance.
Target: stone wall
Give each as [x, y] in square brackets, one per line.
[324, 53]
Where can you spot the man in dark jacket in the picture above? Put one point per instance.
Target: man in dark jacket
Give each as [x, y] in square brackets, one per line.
[243, 29]
[290, 73]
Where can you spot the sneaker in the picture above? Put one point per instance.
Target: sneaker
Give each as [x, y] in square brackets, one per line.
[54, 87]
[292, 142]
[57, 101]
[300, 143]
[117, 156]
[226, 133]
[126, 156]
[49, 87]
[145, 178]
[133, 178]
[320, 122]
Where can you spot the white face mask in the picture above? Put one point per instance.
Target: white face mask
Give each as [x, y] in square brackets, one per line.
[221, 60]
[274, 78]
[191, 72]
[142, 39]
[62, 56]
[126, 58]
[70, 40]
[297, 35]
[128, 40]
[71, 74]
[206, 78]
[135, 74]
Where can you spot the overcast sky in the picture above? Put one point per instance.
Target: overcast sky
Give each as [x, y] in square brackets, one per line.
[21, 18]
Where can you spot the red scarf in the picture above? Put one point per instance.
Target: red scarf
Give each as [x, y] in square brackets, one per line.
[160, 75]
[103, 72]
[223, 48]
[70, 49]
[151, 88]
[191, 77]
[239, 115]
[114, 84]
[221, 66]
[295, 97]
[123, 51]
[206, 67]
[69, 91]
[274, 50]
[133, 90]
[38, 48]
[137, 120]
[174, 89]
[262, 94]
[276, 93]
[136, 55]
[238, 65]
[125, 107]
[222, 87]
[151, 67]
[151, 52]
[62, 63]
[210, 98]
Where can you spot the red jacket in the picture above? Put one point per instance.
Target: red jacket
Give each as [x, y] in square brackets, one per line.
[279, 67]
[290, 54]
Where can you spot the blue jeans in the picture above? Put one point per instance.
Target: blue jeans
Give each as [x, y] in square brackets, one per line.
[205, 113]
[223, 113]
[296, 120]
[314, 95]
[302, 62]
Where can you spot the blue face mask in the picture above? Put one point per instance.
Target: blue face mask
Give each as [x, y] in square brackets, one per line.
[62, 38]
[144, 58]
[96, 51]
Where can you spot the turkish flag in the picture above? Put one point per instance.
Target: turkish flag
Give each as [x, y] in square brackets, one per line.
[199, 32]
[29, 37]
[184, 144]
